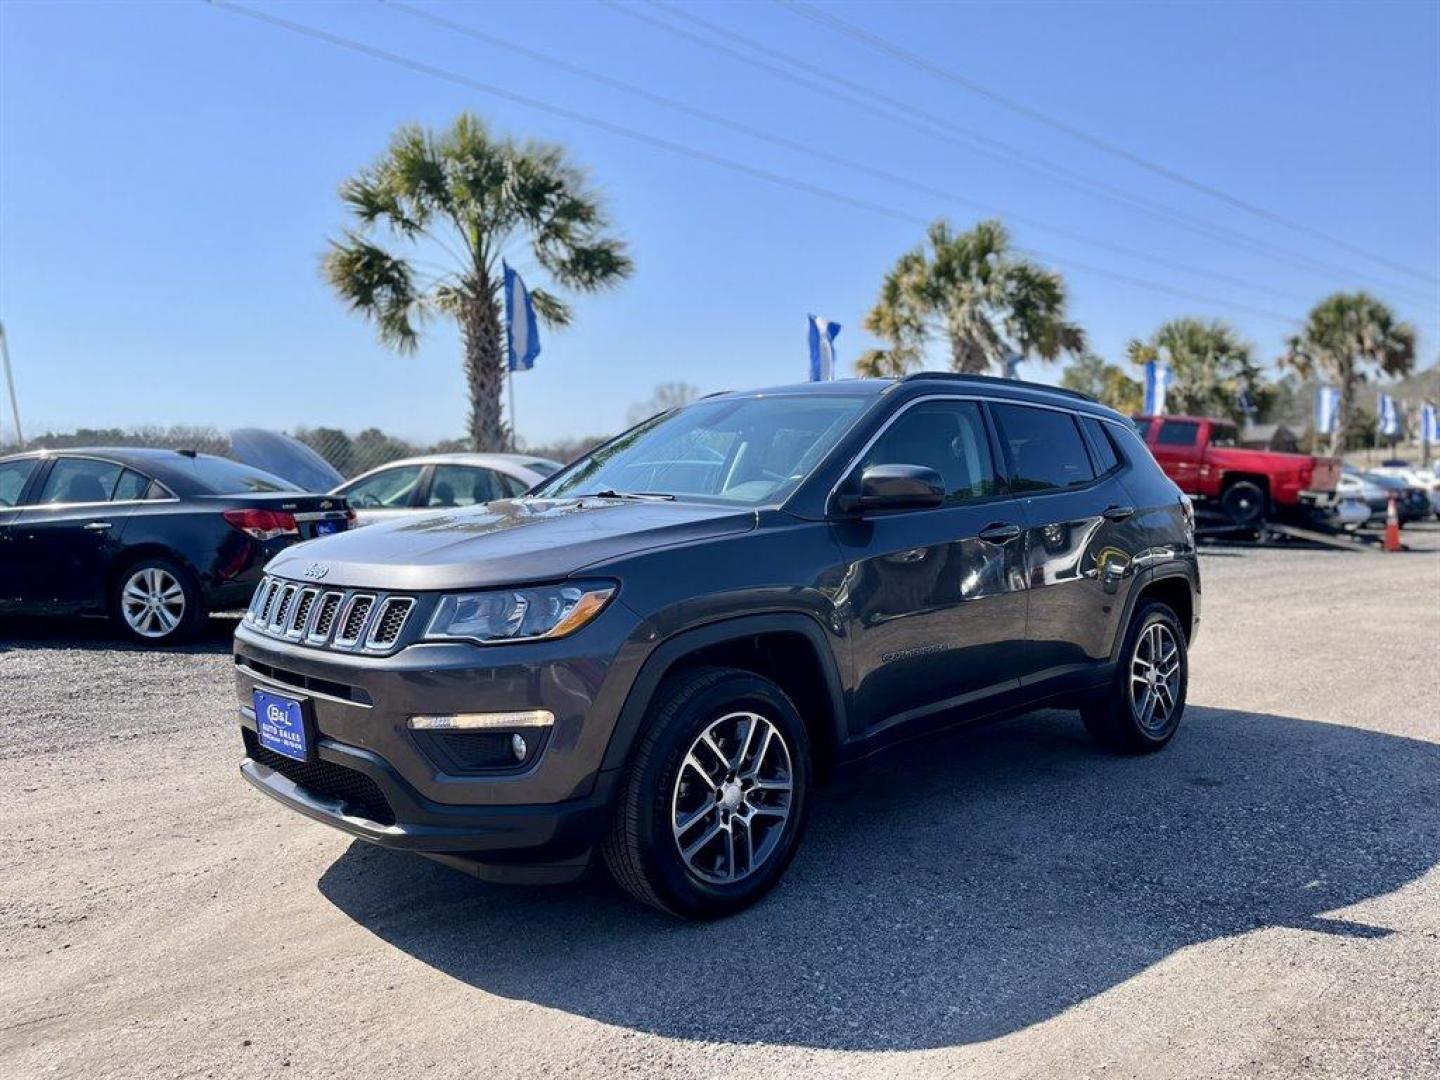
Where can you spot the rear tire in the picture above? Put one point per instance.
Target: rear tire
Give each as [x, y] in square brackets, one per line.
[713, 803]
[156, 601]
[1142, 709]
[1244, 503]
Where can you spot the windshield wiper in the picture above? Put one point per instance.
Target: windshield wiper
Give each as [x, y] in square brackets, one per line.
[646, 496]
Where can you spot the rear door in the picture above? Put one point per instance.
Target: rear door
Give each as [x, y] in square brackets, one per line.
[65, 540]
[385, 494]
[935, 599]
[454, 485]
[15, 476]
[1078, 548]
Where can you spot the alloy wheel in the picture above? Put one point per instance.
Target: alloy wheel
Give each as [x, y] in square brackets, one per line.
[153, 602]
[732, 798]
[1155, 677]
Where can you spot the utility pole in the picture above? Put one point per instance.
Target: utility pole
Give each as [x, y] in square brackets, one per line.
[10, 382]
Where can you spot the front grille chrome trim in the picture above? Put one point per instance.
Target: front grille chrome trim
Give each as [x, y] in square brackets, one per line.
[378, 622]
[381, 615]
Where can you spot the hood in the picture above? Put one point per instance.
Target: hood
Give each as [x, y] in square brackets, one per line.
[285, 457]
[512, 542]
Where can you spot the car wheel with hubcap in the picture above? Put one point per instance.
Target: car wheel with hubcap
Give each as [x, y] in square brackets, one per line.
[1244, 503]
[157, 602]
[1143, 706]
[712, 806]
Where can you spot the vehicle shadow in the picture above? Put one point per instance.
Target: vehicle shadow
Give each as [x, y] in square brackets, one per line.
[17, 633]
[957, 890]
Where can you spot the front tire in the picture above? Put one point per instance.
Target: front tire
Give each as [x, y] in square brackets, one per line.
[713, 804]
[1146, 699]
[156, 601]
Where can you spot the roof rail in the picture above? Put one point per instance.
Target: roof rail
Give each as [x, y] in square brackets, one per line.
[996, 380]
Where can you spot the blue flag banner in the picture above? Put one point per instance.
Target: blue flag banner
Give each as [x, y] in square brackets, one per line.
[1245, 403]
[822, 348]
[522, 337]
[1157, 384]
[1327, 408]
[1429, 423]
[1388, 420]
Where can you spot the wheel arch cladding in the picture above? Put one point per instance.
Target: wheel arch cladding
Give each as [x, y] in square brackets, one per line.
[1174, 592]
[790, 650]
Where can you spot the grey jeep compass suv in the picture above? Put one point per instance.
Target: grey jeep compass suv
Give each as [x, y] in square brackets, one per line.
[656, 654]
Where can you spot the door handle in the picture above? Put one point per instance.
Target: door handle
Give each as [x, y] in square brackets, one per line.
[97, 526]
[999, 533]
[1118, 513]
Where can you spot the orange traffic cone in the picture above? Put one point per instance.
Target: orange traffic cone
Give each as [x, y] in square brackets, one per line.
[1392, 527]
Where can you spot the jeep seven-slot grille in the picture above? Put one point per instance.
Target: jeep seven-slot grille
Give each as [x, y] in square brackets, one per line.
[347, 620]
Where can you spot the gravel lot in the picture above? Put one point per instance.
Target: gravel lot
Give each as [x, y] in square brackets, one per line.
[1262, 899]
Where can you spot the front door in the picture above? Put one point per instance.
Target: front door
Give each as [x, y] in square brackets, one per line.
[64, 542]
[934, 600]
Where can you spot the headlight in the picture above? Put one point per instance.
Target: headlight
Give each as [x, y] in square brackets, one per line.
[548, 611]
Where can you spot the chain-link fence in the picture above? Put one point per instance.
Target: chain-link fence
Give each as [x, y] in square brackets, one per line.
[349, 453]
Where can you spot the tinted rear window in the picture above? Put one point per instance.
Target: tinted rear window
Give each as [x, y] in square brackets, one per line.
[224, 477]
[1106, 458]
[1178, 433]
[1046, 448]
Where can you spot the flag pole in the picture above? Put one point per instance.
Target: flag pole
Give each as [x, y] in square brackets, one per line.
[10, 382]
[514, 432]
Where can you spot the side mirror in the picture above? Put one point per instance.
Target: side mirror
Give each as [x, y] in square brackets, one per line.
[892, 487]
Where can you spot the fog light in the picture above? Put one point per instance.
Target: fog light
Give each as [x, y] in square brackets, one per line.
[518, 747]
[484, 721]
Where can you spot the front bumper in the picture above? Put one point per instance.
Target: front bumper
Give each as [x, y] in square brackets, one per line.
[390, 789]
[535, 843]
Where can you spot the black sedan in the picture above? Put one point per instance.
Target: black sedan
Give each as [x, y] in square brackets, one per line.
[155, 539]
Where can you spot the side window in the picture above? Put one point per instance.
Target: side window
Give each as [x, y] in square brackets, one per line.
[513, 485]
[463, 485]
[1046, 448]
[1178, 433]
[131, 486]
[947, 436]
[390, 488]
[80, 480]
[1106, 459]
[13, 475]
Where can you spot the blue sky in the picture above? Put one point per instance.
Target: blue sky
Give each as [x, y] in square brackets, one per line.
[168, 178]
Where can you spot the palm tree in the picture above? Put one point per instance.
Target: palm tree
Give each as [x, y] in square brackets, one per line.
[1106, 383]
[1348, 337]
[1210, 365]
[987, 302]
[466, 196]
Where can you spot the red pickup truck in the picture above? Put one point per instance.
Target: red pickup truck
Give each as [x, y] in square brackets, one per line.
[1204, 457]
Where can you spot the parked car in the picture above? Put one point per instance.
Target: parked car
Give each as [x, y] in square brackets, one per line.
[1204, 457]
[657, 653]
[1411, 503]
[441, 482]
[1425, 479]
[154, 539]
[1355, 484]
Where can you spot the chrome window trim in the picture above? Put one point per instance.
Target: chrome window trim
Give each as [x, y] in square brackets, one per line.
[81, 505]
[1073, 413]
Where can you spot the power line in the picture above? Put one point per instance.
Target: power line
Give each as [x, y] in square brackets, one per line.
[683, 150]
[823, 155]
[875, 41]
[913, 116]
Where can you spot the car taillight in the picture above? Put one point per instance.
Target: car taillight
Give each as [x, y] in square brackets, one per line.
[263, 524]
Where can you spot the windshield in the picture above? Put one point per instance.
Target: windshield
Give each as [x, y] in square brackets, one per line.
[748, 451]
[224, 477]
